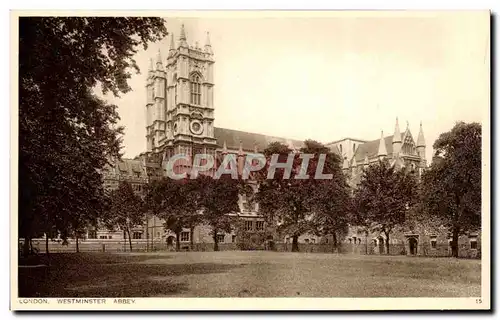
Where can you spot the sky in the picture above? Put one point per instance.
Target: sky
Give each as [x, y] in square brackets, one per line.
[331, 75]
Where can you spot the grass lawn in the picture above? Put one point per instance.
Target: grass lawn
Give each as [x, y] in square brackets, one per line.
[250, 274]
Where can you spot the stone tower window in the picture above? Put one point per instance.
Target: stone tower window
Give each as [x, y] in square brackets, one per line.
[195, 89]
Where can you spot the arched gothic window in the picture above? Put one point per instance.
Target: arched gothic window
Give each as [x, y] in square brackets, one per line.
[195, 89]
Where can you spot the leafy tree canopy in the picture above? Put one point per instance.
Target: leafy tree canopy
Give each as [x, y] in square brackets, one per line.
[66, 134]
[383, 197]
[451, 187]
[306, 204]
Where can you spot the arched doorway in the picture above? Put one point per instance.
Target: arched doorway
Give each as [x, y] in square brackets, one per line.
[413, 246]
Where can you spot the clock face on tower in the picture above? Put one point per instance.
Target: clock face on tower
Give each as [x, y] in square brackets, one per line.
[196, 127]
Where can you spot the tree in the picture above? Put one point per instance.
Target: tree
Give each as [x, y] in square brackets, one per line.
[278, 201]
[177, 202]
[187, 202]
[126, 210]
[66, 134]
[330, 199]
[193, 188]
[306, 204]
[219, 199]
[331, 203]
[451, 187]
[383, 198]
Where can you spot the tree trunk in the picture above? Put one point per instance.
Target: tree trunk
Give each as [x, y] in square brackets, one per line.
[129, 240]
[26, 247]
[47, 247]
[216, 244]
[178, 241]
[335, 244]
[77, 245]
[147, 233]
[366, 242]
[454, 242]
[295, 243]
[191, 236]
[386, 243]
[31, 246]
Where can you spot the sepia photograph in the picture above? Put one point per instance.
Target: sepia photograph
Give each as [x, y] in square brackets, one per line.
[291, 158]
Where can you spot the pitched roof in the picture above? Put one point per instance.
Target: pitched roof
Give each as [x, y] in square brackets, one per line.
[249, 140]
[370, 149]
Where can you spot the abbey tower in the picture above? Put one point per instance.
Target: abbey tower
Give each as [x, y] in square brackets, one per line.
[180, 100]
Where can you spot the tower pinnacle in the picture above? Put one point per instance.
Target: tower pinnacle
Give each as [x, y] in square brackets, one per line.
[396, 139]
[382, 150]
[421, 139]
[397, 132]
[172, 43]
[208, 46]
[159, 64]
[182, 37]
[151, 67]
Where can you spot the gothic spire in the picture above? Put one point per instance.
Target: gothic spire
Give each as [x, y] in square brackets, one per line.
[366, 160]
[207, 42]
[382, 150]
[421, 139]
[172, 43]
[151, 67]
[397, 132]
[159, 64]
[354, 163]
[208, 46]
[183, 38]
[224, 148]
[183, 33]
